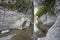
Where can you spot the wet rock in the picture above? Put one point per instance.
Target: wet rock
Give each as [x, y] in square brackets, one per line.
[57, 8]
[34, 36]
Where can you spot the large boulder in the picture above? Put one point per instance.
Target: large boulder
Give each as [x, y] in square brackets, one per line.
[53, 32]
[14, 19]
[47, 19]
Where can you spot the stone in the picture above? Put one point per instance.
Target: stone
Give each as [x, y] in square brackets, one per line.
[47, 19]
[5, 31]
[13, 19]
[53, 33]
[7, 37]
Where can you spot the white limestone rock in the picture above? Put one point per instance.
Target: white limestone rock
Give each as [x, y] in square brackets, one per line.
[54, 31]
[5, 31]
[47, 19]
[13, 19]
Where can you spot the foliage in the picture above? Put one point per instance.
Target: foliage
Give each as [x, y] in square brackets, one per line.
[7, 5]
[41, 10]
[45, 7]
[19, 4]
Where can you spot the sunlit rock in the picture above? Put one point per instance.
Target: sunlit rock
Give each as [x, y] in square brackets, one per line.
[21, 24]
[43, 38]
[14, 19]
[4, 31]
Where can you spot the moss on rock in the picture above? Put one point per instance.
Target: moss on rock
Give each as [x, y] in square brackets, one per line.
[45, 7]
[18, 5]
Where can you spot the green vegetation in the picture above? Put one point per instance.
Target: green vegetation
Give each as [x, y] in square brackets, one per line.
[8, 5]
[17, 4]
[41, 10]
[45, 7]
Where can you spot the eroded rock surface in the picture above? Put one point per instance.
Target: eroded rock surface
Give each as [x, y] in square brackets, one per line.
[13, 19]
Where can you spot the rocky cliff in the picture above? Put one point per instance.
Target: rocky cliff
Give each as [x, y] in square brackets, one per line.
[48, 21]
[16, 15]
[15, 19]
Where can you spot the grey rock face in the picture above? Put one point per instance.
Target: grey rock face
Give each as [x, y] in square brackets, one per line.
[38, 2]
[54, 31]
[7, 37]
[47, 19]
[13, 19]
[57, 8]
[34, 36]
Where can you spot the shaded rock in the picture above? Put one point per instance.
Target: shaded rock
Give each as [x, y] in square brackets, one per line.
[53, 32]
[7, 37]
[34, 36]
[47, 19]
[57, 8]
[38, 2]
